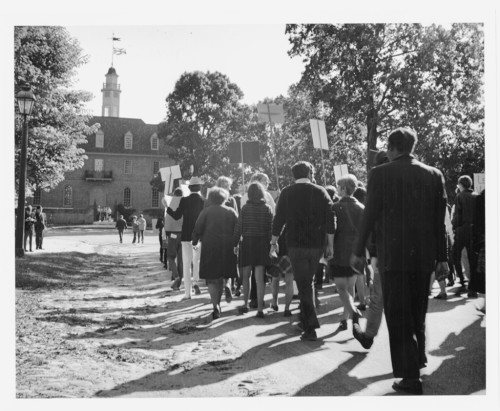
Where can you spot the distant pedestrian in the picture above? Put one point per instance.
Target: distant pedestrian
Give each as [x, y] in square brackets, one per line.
[141, 221]
[121, 225]
[173, 230]
[135, 229]
[40, 225]
[214, 228]
[29, 227]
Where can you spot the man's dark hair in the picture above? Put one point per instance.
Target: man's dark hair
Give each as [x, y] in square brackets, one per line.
[195, 188]
[465, 181]
[402, 139]
[256, 192]
[302, 169]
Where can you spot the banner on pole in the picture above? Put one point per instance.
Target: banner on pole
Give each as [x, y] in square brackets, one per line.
[318, 130]
[479, 182]
[340, 170]
[270, 112]
[249, 149]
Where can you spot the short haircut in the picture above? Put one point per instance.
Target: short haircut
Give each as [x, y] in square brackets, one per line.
[331, 190]
[402, 139]
[261, 178]
[195, 188]
[224, 182]
[348, 183]
[256, 192]
[465, 181]
[178, 192]
[360, 194]
[380, 158]
[217, 195]
[302, 169]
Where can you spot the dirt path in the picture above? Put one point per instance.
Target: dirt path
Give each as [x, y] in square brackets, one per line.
[103, 322]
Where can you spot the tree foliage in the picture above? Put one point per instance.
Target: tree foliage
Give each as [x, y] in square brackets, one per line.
[46, 58]
[381, 76]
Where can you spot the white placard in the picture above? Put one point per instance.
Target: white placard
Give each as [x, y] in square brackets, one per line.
[318, 130]
[168, 175]
[340, 170]
[271, 112]
[479, 182]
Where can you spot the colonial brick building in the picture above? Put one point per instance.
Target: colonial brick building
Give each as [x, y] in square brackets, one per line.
[123, 156]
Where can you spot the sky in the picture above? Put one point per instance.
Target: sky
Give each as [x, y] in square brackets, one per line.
[253, 56]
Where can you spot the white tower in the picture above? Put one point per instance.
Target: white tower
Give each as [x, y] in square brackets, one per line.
[111, 95]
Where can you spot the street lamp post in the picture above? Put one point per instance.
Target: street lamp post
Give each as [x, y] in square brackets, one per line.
[25, 101]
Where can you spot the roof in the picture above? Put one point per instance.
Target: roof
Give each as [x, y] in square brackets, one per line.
[112, 71]
[115, 128]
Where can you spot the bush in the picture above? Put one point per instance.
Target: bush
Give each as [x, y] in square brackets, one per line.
[127, 212]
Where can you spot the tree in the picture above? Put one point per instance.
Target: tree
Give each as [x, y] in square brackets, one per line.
[46, 57]
[381, 76]
[200, 117]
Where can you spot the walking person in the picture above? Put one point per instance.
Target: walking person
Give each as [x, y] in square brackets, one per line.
[121, 225]
[215, 227]
[189, 209]
[348, 212]
[141, 221]
[173, 230]
[463, 227]
[306, 209]
[405, 207]
[40, 225]
[29, 227]
[135, 229]
[254, 228]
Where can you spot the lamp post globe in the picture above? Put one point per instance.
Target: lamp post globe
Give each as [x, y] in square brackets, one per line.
[25, 102]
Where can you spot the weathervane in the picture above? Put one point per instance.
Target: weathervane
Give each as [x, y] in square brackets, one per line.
[116, 50]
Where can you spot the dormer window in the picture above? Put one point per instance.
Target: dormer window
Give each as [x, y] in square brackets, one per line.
[128, 140]
[99, 139]
[154, 142]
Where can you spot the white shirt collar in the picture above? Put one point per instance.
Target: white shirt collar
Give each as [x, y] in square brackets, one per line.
[303, 180]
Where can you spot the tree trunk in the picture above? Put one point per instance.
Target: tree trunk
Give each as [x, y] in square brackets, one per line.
[371, 138]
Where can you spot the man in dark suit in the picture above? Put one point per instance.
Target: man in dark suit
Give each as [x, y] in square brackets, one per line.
[405, 208]
[189, 209]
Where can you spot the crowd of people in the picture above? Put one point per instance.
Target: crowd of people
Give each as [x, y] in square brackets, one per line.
[390, 238]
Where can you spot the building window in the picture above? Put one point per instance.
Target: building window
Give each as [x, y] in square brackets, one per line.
[68, 196]
[98, 164]
[99, 139]
[154, 142]
[127, 167]
[126, 197]
[128, 140]
[106, 112]
[37, 197]
[156, 167]
[155, 198]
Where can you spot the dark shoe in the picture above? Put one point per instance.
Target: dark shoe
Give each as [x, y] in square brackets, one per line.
[216, 314]
[196, 290]
[450, 283]
[275, 307]
[342, 326]
[237, 292]
[253, 304]
[461, 290]
[362, 307]
[408, 386]
[176, 284]
[242, 309]
[295, 297]
[288, 313]
[229, 296]
[365, 341]
[441, 296]
[259, 314]
[472, 294]
[309, 336]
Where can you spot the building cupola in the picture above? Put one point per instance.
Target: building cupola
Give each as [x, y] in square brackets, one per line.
[111, 95]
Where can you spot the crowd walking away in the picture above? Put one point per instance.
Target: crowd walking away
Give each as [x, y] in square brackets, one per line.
[384, 242]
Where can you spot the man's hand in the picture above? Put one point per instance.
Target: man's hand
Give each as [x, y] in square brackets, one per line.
[329, 252]
[442, 269]
[358, 263]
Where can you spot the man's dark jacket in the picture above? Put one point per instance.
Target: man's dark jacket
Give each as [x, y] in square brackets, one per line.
[405, 208]
[189, 209]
